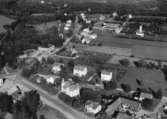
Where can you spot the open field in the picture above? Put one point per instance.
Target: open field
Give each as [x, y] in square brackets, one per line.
[156, 53]
[50, 113]
[109, 39]
[3, 21]
[153, 79]
[139, 48]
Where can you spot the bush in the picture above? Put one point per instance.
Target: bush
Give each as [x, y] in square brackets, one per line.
[76, 104]
[148, 104]
[66, 99]
[124, 62]
[110, 85]
[158, 94]
[42, 117]
[126, 87]
[88, 94]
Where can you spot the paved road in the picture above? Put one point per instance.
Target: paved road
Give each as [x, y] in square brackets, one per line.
[50, 100]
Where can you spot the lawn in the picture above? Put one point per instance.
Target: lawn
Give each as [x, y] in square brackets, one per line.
[109, 39]
[51, 113]
[153, 79]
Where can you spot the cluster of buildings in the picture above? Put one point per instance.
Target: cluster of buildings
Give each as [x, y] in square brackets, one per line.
[87, 35]
[127, 108]
[40, 53]
[121, 108]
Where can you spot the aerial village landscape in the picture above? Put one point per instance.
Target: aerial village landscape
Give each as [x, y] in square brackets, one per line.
[96, 59]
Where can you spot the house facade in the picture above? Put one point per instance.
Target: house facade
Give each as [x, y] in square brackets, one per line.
[106, 75]
[1, 81]
[51, 80]
[80, 71]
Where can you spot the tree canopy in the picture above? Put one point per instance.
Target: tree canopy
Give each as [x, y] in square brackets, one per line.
[148, 104]
[126, 87]
[27, 107]
[6, 102]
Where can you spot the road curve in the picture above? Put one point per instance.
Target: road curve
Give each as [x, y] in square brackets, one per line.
[50, 100]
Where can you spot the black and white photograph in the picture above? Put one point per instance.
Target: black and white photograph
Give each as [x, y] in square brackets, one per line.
[83, 59]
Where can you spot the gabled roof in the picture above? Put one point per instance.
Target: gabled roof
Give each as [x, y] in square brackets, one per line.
[80, 67]
[70, 85]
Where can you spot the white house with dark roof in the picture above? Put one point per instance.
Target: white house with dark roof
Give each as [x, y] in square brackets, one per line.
[70, 88]
[106, 75]
[80, 70]
[92, 107]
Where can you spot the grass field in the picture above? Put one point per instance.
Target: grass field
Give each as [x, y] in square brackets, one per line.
[51, 113]
[109, 39]
[3, 21]
[139, 48]
[153, 79]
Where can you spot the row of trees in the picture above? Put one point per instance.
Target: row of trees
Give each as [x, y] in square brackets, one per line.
[26, 108]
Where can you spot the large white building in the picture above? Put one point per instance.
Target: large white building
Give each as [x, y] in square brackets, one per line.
[106, 75]
[70, 88]
[92, 107]
[39, 54]
[80, 70]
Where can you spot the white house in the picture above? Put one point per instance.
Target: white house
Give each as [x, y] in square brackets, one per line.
[80, 70]
[56, 68]
[70, 88]
[50, 79]
[1, 81]
[68, 25]
[144, 95]
[106, 75]
[92, 107]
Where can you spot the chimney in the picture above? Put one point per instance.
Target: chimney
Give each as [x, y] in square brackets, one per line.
[140, 28]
